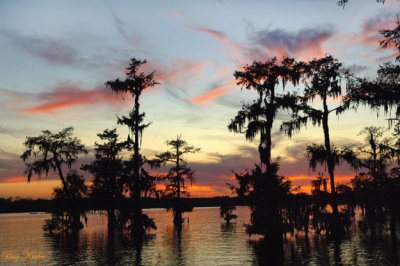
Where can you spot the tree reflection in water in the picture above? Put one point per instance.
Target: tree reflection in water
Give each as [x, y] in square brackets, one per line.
[201, 243]
[267, 252]
[177, 244]
[111, 248]
[318, 250]
[69, 249]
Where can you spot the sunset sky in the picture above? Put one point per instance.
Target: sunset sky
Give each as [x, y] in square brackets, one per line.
[55, 57]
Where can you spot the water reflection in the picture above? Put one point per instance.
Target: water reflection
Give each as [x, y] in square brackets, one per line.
[112, 248]
[69, 248]
[205, 240]
[228, 230]
[177, 244]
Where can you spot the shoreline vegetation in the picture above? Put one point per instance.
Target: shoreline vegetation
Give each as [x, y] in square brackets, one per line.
[20, 205]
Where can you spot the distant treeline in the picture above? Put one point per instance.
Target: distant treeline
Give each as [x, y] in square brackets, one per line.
[44, 205]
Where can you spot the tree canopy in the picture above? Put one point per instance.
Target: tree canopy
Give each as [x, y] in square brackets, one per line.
[50, 152]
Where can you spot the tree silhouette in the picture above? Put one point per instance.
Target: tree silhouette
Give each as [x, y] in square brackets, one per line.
[323, 81]
[317, 183]
[76, 188]
[379, 153]
[317, 154]
[266, 193]
[263, 188]
[178, 174]
[258, 117]
[391, 37]
[376, 189]
[51, 151]
[107, 170]
[137, 179]
[226, 212]
[69, 208]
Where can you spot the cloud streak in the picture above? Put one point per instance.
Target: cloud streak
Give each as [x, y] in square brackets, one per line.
[118, 23]
[66, 95]
[53, 51]
[218, 35]
[213, 93]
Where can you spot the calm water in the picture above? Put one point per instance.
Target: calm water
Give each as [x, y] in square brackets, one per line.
[202, 241]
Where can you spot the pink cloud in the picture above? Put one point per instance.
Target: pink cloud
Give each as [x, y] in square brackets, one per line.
[304, 44]
[213, 93]
[234, 50]
[386, 58]
[67, 95]
[176, 14]
[220, 36]
[369, 36]
[178, 73]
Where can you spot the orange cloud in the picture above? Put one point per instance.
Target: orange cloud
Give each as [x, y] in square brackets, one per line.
[203, 187]
[14, 179]
[300, 177]
[213, 93]
[304, 182]
[51, 107]
[338, 178]
[208, 191]
[304, 189]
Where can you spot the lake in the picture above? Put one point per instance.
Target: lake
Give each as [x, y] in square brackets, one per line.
[204, 240]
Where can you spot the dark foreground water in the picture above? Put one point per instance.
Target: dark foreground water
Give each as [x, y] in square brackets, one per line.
[202, 241]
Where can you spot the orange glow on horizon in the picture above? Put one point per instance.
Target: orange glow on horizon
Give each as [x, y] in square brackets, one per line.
[338, 178]
[35, 189]
[15, 179]
[19, 187]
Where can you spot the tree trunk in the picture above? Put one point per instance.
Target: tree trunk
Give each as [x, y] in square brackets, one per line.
[178, 208]
[137, 208]
[330, 161]
[270, 119]
[374, 155]
[329, 158]
[60, 173]
[178, 183]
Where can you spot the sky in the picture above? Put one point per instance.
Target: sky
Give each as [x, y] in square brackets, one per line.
[55, 57]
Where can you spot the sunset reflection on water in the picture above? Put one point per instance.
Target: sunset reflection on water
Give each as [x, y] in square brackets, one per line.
[203, 240]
